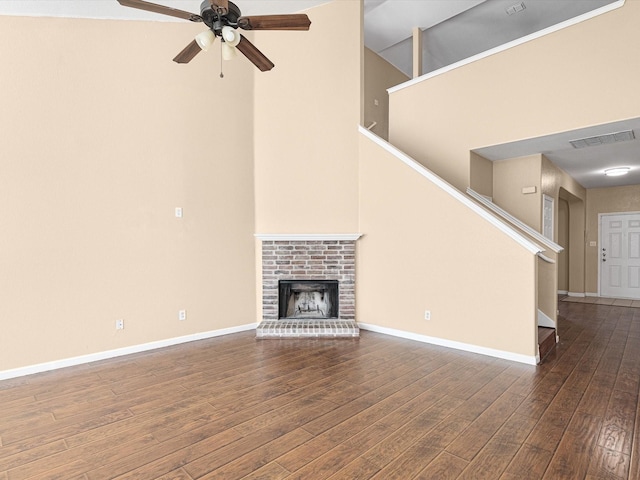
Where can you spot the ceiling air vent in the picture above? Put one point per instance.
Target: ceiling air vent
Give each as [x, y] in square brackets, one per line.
[518, 7]
[603, 139]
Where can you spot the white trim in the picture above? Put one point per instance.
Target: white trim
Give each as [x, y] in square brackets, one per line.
[545, 320]
[307, 236]
[576, 294]
[453, 192]
[590, 294]
[631, 212]
[515, 221]
[546, 259]
[467, 347]
[547, 198]
[598, 247]
[94, 357]
[562, 292]
[507, 46]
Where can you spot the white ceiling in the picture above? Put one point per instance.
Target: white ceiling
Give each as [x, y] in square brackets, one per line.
[388, 22]
[586, 165]
[452, 30]
[484, 23]
[111, 9]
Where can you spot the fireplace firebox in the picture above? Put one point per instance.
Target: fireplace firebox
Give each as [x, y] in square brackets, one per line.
[308, 299]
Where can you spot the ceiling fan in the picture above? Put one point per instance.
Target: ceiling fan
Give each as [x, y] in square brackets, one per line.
[223, 19]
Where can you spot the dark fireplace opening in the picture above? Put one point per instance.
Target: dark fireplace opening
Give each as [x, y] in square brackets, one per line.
[308, 299]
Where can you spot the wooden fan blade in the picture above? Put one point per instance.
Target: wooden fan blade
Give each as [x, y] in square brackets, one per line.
[298, 21]
[152, 7]
[187, 54]
[221, 7]
[254, 55]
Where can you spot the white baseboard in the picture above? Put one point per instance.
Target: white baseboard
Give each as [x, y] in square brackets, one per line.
[563, 292]
[589, 294]
[515, 357]
[94, 357]
[576, 294]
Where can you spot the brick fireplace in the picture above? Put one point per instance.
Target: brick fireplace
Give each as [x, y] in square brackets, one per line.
[309, 263]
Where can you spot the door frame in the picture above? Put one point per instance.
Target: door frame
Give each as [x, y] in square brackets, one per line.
[549, 199]
[600, 217]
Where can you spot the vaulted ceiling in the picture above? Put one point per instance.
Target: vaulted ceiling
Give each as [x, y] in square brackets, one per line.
[452, 30]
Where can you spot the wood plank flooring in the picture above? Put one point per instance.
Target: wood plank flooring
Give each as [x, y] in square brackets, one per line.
[371, 408]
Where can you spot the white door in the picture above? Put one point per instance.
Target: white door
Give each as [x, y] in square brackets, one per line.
[620, 255]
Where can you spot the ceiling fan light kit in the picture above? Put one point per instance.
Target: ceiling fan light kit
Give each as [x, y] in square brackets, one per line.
[223, 19]
[229, 52]
[230, 36]
[205, 39]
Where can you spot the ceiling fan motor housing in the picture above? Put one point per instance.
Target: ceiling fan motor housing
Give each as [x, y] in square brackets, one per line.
[214, 21]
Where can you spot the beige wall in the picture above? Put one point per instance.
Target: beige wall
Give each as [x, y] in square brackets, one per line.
[423, 250]
[307, 112]
[102, 137]
[481, 171]
[537, 88]
[557, 184]
[605, 200]
[509, 178]
[102, 140]
[512, 175]
[379, 75]
[555, 180]
[306, 116]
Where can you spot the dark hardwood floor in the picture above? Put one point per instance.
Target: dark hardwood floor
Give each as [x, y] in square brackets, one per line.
[378, 407]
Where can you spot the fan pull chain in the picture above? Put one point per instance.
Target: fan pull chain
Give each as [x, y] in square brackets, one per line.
[221, 62]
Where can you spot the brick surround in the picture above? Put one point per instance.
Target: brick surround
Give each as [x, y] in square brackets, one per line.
[294, 259]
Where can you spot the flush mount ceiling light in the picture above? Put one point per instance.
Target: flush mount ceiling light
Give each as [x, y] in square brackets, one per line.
[617, 171]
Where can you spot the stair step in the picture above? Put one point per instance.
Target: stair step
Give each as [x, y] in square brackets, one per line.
[546, 341]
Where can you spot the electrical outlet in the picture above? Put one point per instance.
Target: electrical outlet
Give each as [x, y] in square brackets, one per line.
[120, 324]
[427, 314]
[182, 314]
[178, 212]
